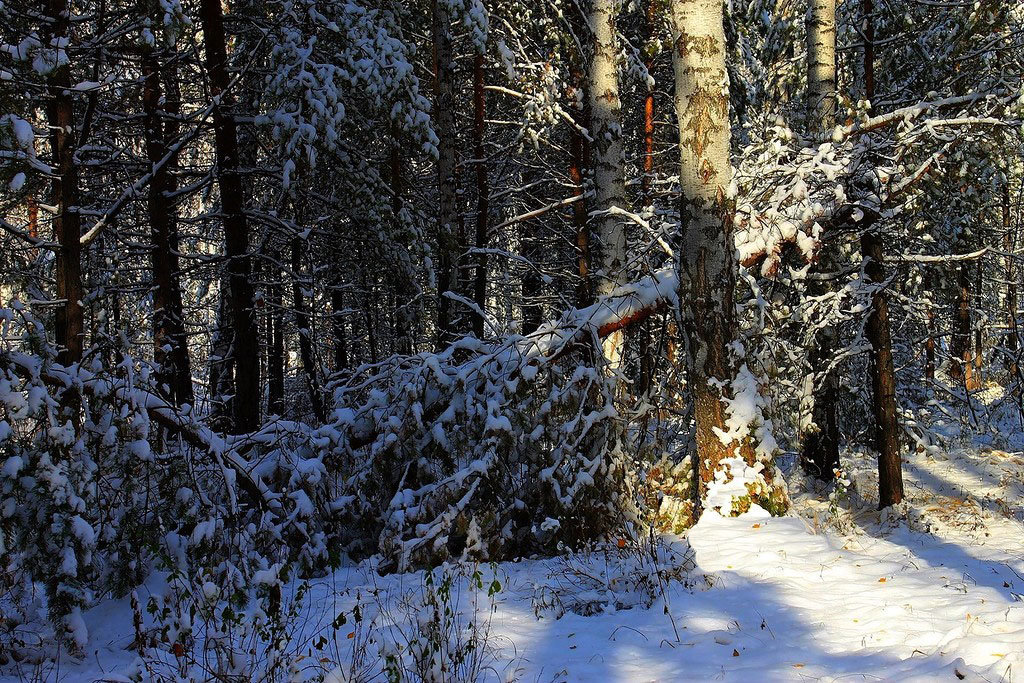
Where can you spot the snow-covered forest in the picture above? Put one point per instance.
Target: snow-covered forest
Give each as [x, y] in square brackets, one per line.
[458, 340]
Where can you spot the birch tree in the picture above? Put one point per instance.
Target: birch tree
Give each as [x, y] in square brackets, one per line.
[725, 434]
[607, 157]
[820, 449]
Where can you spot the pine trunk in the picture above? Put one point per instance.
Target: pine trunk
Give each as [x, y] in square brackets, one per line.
[246, 344]
[444, 126]
[275, 338]
[883, 377]
[67, 223]
[305, 332]
[883, 372]
[482, 190]
[169, 339]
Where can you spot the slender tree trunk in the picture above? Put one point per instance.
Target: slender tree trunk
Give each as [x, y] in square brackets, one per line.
[644, 342]
[246, 343]
[221, 378]
[532, 285]
[650, 26]
[275, 338]
[929, 345]
[979, 340]
[169, 339]
[577, 164]
[406, 289]
[341, 361]
[608, 159]
[444, 126]
[883, 372]
[67, 223]
[305, 332]
[1009, 246]
[961, 370]
[482, 190]
[707, 268]
[172, 129]
[883, 378]
[820, 453]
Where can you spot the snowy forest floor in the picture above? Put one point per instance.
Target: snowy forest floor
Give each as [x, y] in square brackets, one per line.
[840, 592]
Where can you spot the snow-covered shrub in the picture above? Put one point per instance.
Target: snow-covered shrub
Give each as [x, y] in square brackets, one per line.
[434, 636]
[614, 576]
[195, 631]
[102, 482]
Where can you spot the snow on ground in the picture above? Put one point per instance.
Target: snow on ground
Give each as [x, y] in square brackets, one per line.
[932, 592]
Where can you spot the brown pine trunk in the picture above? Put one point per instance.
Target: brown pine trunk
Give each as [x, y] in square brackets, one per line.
[302, 326]
[646, 194]
[67, 223]
[169, 339]
[883, 372]
[245, 345]
[482, 190]
[883, 378]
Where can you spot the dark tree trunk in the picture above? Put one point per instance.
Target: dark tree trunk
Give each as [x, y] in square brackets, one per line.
[1010, 245]
[961, 370]
[930, 343]
[883, 378]
[447, 221]
[341, 361]
[577, 164]
[246, 343]
[883, 373]
[67, 223]
[169, 339]
[275, 338]
[482, 190]
[221, 378]
[305, 332]
[405, 285]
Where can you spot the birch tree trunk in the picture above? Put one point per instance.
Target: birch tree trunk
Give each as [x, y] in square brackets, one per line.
[821, 67]
[820, 443]
[706, 252]
[608, 161]
[245, 345]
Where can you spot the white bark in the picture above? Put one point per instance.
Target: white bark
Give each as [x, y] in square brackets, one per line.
[608, 160]
[707, 266]
[821, 67]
